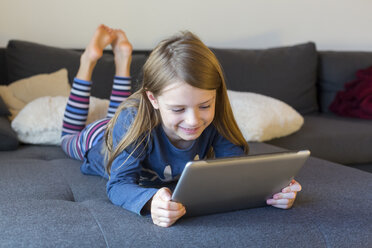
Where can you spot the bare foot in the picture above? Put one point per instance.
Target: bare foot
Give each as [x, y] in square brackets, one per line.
[122, 50]
[101, 38]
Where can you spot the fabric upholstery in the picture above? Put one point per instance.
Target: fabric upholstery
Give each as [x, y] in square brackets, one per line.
[356, 98]
[46, 202]
[338, 139]
[21, 63]
[66, 208]
[3, 108]
[285, 73]
[8, 138]
[336, 69]
[3, 67]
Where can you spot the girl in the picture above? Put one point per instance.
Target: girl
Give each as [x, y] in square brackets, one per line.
[180, 113]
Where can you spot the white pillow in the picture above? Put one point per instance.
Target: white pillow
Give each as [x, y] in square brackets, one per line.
[40, 121]
[262, 118]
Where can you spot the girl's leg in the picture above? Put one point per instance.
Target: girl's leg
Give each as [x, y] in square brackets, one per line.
[78, 103]
[121, 89]
[75, 118]
[77, 107]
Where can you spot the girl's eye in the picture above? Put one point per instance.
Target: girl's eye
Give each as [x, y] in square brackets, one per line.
[177, 110]
[205, 107]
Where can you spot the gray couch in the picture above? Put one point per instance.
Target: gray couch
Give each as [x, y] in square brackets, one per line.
[46, 202]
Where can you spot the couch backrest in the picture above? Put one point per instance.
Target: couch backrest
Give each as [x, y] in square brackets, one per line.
[297, 75]
[285, 73]
[335, 69]
[25, 59]
[3, 68]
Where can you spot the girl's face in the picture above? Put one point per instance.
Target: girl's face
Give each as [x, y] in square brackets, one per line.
[185, 111]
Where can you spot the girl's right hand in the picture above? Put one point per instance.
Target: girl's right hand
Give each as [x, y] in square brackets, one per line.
[165, 212]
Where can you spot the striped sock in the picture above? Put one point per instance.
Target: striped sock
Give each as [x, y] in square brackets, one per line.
[121, 90]
[77, 107]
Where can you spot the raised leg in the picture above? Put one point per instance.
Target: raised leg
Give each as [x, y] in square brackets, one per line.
[77, 108]
[121, 89]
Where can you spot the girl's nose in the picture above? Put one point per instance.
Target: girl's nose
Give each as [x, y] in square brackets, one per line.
[192, 118]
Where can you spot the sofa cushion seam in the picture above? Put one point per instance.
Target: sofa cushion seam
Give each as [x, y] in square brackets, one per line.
[98, 224]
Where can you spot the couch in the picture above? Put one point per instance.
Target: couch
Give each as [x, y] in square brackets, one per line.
[46, 202]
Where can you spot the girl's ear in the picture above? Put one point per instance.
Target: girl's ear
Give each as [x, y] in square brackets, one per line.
[152, 99]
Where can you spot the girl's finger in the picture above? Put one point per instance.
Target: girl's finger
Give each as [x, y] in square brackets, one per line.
[161, 221]
[290, 195]
[162, 224]
[167, 205]
[167, 220]
[274, 202]
[168, 214]
[285, 206]
[295, 187]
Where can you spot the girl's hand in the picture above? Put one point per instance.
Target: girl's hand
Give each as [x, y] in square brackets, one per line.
[286, 198]
[165, 212]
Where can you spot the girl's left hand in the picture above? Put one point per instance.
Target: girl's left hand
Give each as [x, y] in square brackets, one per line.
[286, 198]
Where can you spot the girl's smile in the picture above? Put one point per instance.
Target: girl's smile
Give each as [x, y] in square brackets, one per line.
[190, 131]
[185, 111]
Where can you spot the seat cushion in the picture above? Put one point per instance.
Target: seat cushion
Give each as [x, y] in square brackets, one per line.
[45, 202]
[284, 73]
[327, 136]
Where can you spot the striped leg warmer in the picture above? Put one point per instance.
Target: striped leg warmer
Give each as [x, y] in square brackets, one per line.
[120, 91]
[75, 118]
[77, 107]
[76, 138]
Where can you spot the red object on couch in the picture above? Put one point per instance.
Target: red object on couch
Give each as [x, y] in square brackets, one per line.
[356, 99]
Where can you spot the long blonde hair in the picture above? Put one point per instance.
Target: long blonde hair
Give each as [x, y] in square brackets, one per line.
[185, 58]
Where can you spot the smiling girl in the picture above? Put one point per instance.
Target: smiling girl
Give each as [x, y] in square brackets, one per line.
[180, 113]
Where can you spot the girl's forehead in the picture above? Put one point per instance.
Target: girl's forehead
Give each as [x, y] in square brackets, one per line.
[173, 85]
[178, 92]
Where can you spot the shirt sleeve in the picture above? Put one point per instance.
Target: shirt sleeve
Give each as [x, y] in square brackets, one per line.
[122, 187]
[224, 148]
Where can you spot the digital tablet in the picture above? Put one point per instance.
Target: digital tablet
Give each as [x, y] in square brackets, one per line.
[227, 184]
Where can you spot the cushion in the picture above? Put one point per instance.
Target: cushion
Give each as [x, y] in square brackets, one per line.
[21, 63]
[19, 93]
[3, 67]
[356, 99]
[285, 73]
[334, 138]
[336, 69]
[262, 118]
[46, 200]
[40, 121]
[8, 138]
[3, 108]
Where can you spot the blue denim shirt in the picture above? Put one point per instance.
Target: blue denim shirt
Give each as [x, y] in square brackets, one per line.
[132, 185]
